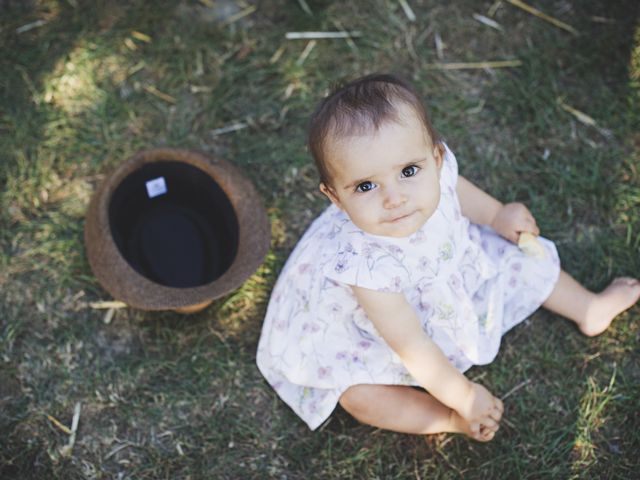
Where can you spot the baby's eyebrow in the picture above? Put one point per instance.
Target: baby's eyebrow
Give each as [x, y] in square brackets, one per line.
[412, 162]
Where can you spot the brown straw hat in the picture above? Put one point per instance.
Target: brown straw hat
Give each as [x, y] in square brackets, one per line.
[175, 229]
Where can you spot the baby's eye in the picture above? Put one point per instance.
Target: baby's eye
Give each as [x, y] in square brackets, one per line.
[410, 171]
[364, 187]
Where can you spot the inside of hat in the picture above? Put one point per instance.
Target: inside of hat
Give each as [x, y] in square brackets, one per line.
[174, 224]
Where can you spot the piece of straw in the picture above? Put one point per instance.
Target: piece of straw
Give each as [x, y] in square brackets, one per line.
[320, 35]
[478, 108]
[289, 91]
[130, 44]
[439, 45]
[348, 40]
[475, 65]
[199, 64]
[584, 118]
[581, 116]
[107, 304]
[201, 89]
[487, 21]
[157, 93]
[598, 19]
[515, 389]
[59, 424]
[229, 128]
[109, 316]
[30, 26]
[239, 15]
[75, 421]
[305, 53]
[143, 37]
[136, 68]
[68, 448]
[179, 449]
[277, 54]
[494, 8]
[305, 7]
[407, 10]
[543, 16]
[122, 446]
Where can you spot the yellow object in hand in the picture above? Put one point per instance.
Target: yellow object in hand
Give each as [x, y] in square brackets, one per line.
[530, 245]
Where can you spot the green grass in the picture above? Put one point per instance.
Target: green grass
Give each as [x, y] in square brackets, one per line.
[170, 396]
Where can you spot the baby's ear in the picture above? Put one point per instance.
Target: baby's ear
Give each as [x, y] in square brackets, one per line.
[331, 195]
[438, 154]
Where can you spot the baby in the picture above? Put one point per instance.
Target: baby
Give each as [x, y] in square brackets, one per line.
[409, 278]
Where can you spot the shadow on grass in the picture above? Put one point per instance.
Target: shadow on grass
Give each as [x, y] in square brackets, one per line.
[585, 198]
[182, 393]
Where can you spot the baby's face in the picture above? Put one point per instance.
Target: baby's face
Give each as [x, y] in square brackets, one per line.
[388, 182]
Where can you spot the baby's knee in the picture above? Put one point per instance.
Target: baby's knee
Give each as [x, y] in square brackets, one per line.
[357, 400]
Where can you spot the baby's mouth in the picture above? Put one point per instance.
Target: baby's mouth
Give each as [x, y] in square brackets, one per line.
[400, 217]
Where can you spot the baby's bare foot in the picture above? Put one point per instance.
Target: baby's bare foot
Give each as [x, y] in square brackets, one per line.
[620, 295]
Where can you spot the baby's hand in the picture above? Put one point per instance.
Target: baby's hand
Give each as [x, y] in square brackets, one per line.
[483, 411]
[512, 219]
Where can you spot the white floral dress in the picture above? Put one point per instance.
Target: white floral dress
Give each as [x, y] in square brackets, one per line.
[467, 285]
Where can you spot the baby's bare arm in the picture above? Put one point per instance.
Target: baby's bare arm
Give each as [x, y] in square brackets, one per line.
[398, 324]
[508, 220]
[476, 204]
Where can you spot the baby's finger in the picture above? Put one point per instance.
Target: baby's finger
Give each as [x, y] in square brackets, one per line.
[495, 415]
[497, 411]
[484, 432]
[513, 236]
[533, 228]
[528, 224]
[474, 428]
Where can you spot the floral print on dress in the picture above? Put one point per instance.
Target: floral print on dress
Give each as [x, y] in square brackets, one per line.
[466, 284]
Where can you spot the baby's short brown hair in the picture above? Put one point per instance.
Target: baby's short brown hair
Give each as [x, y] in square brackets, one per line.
[359, 107]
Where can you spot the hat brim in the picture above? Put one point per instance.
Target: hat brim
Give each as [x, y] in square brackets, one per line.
[124, 283]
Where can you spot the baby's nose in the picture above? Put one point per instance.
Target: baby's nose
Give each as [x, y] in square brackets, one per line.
[393, 198]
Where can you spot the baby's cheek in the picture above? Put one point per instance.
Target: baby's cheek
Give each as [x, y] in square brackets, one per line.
[367, 205]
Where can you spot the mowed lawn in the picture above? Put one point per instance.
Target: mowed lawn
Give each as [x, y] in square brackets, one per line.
[85, 84]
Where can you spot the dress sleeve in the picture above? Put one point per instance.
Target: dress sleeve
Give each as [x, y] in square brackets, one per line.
[366, 263]
[449, 175]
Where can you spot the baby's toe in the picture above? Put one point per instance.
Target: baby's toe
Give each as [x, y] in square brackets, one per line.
[489, 424]
[486, 436]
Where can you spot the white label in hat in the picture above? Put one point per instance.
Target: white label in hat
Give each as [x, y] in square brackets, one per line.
[156, 187]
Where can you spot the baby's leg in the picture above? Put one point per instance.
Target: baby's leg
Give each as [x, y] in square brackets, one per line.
[404, 409]
[592, 312]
